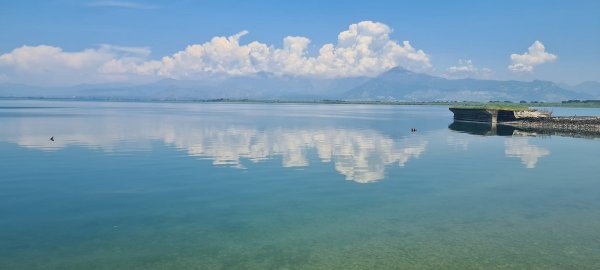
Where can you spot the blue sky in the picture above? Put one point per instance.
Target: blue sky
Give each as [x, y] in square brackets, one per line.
[134, 36]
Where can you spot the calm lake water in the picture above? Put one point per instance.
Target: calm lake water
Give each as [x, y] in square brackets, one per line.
[255, 186]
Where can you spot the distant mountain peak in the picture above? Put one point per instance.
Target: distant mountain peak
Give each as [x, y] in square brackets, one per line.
[399, 70]
[401, 84]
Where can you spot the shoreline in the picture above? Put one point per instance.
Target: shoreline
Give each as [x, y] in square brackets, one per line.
[321, 101]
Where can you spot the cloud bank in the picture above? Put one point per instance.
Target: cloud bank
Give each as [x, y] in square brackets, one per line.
[536, 55]
[364, 49]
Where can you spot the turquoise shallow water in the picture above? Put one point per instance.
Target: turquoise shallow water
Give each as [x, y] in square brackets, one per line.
[252, 186]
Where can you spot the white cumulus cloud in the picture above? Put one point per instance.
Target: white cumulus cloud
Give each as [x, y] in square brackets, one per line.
[53, 65]
[536, 55]
[41, 58]
[364, 49]
[466, 68]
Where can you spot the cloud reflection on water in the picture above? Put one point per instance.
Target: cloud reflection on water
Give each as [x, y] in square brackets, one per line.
[528, 153]
[233, 139]
[361, 155]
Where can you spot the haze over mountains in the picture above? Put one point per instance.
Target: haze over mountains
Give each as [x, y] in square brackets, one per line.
[396, 84]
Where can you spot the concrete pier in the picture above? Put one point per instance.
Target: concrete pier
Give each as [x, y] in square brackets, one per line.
[495, 115]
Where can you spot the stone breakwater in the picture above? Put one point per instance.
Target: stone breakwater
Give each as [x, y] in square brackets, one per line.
[574, 126]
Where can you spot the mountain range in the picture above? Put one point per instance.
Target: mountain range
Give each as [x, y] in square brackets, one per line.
[396, 84]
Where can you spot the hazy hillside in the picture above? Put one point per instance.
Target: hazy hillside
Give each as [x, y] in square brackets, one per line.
[591, 88]
[401, 84]
[395, 84]
[261, 86]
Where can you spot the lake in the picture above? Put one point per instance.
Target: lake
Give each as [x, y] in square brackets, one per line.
[288, 186]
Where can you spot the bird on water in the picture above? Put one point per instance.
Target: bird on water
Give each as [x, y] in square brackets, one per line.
[52, 138]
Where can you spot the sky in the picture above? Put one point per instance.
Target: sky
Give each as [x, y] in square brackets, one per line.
[64, 42]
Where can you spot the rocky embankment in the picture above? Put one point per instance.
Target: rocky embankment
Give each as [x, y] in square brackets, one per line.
[573, 126]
